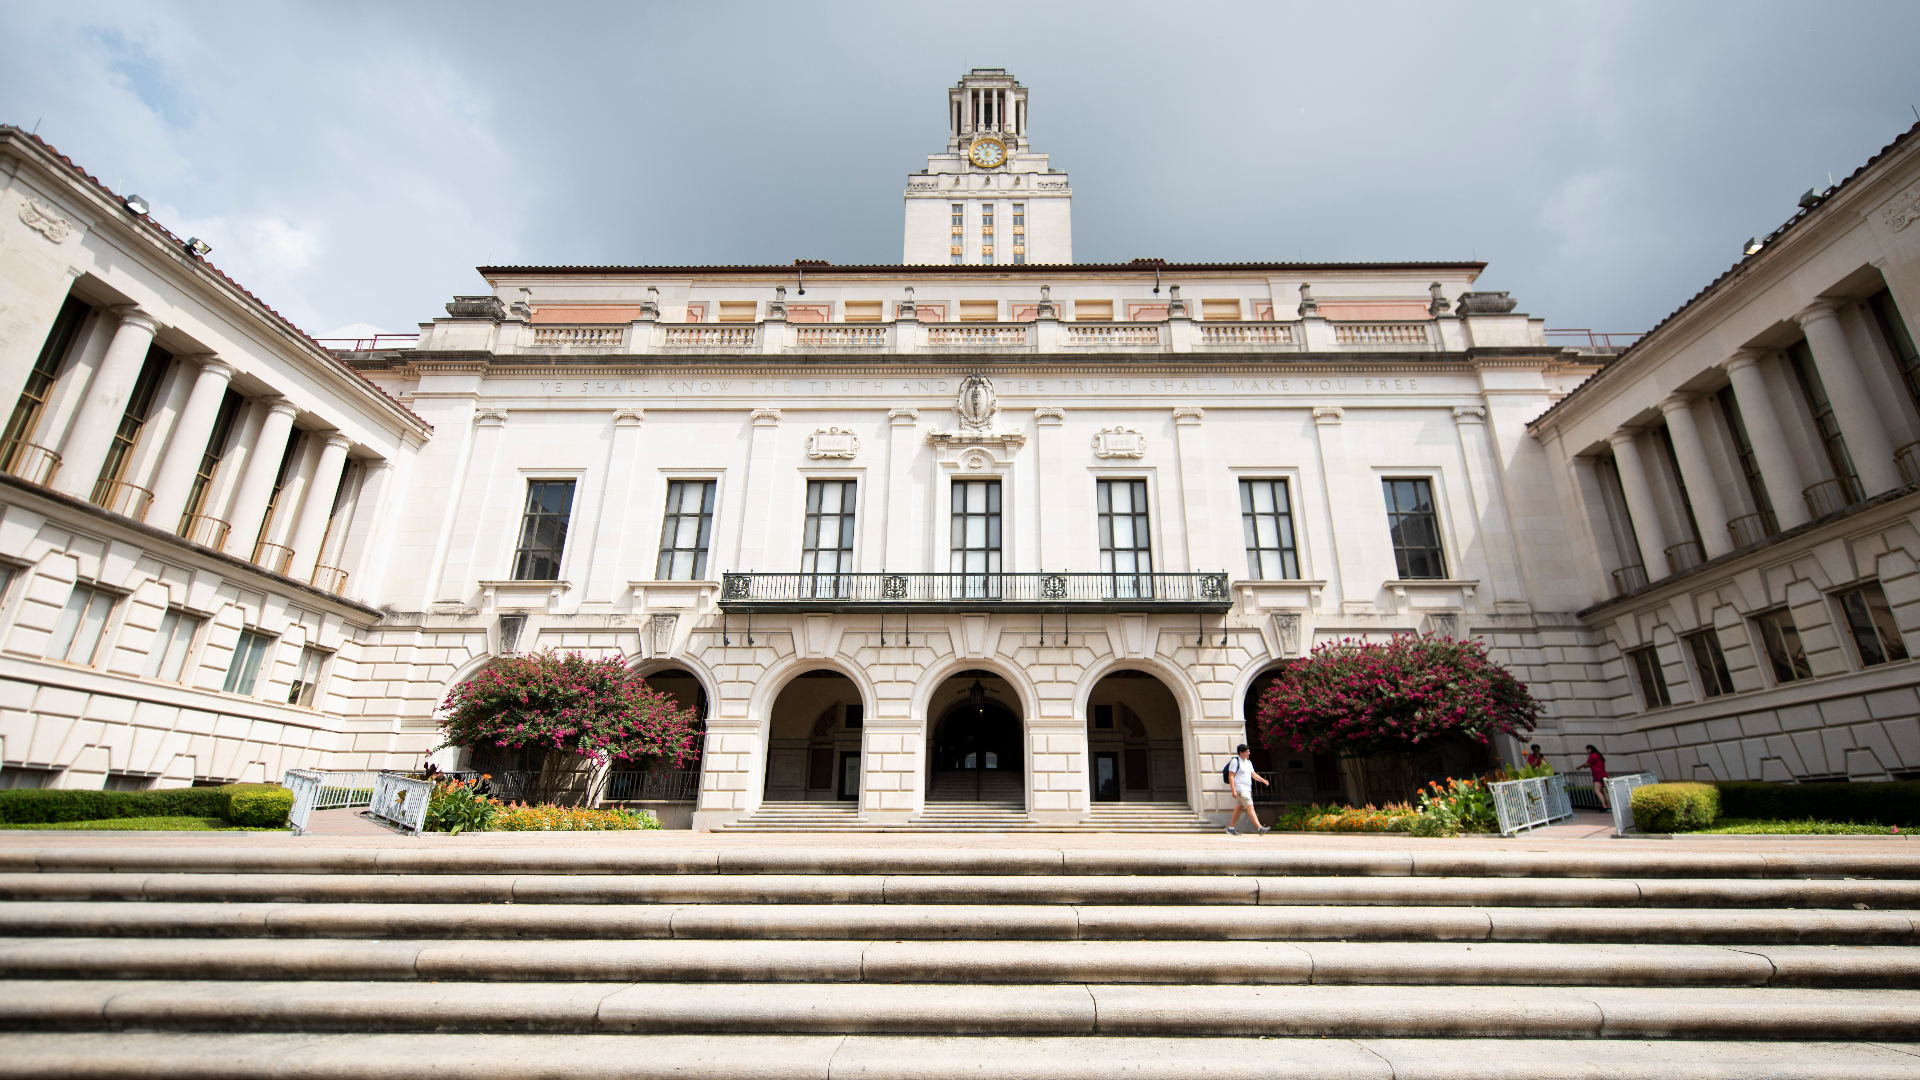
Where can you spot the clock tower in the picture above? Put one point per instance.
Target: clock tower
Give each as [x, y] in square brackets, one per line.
[988, 200]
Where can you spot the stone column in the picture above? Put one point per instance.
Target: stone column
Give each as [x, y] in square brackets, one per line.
[759, 483]
[173, 482]
[91, 436]
[1592, 503]
[256, 488]
[1048, 433]
[903, 443]
[1640, 504]
[1490, 505]
[311, 530]
[474, 488]
[1198, 527]
[1852, 401]
[604, 578]
[369, 511]
[1770, 449]
[1702, 490]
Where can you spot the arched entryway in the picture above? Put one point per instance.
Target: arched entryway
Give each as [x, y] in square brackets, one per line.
[1293, 776]
[1134, 746]
[665, 788]
[813, 739]
[974, 741]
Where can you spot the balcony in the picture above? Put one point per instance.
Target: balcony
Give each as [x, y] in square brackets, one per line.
[1831, 496]
[977, 335]
[1388, 335]
[1907, 460]
[1041, 592]
[1750, 529]
[29, 461]
[1094, 335]
[1628, 578]
[329, 579]
[1685, 556]
[205, 530]
[127, 500]
[273, 557]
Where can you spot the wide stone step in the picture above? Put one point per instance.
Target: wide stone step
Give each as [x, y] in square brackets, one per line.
[909, 1009]
[170, 1056]
[889, 962]
[1254, 858]
[959, 889]
[963, 922]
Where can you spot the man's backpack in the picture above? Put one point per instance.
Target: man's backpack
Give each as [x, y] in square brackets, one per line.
[1226, 771]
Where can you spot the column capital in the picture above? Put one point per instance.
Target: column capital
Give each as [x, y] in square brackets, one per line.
[765, 417]
[1469, 414]
[211, 364]
[1328, 414]
[1742, 358]
[338, 439]
[1814, 312]
[282, 406]
[1188, 414]
[899, 417]
[1674, 403]
[1050, 416]
[1623, 435]
[131, 313]
[371, 464]
[490, 418]
[623, 418]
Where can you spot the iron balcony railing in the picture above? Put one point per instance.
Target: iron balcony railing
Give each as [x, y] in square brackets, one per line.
[1044, 591]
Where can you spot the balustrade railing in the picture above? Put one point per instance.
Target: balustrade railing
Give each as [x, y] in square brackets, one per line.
[1685, 556]
[204, 530]
[1259, 333]
[590, 337]
[29, 461]
[711, 337]
[1109, 335]
[329, 579]
[274, 557]
[679, 785]
[1381, 333]
[127, 500]
[840, 337]
[1628, 578]
[951, 592]
[1750, 529]
[1907, 460]
[1828, 497]
[986, 334]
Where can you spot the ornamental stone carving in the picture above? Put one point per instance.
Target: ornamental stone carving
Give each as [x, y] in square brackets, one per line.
[978, 403]
[41, 219]
[1904, 211]
[1486, 303]
[1119, 442]
[1286, 626]
[832, 442]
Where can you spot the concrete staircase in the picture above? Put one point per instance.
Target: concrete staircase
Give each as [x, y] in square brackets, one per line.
[639, 959]
[1005, 816]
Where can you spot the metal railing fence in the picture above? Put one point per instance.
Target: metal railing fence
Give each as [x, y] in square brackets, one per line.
[402, 800]
[316, 789]
[944, 590]
[1620, 798]
[1529, 804]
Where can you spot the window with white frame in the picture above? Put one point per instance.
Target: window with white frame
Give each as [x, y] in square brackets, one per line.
[1266, 518]
[976, 537]
[1781, 640]
[687, 531]
[1126, 544]
[167, 660]
[826, 545]
[249, 653]
[82, 624]
[1869, 621]
[306, 677]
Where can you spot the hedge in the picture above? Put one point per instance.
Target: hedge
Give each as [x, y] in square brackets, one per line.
[1671, 808]
[261, 807]
[42, 806]
[1895, 802]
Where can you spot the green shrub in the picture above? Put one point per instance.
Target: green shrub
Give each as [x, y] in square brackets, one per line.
[142, 824]
[45, 806]
[1670, 808]
[260, 807]
[1888, 803]
[457, 806]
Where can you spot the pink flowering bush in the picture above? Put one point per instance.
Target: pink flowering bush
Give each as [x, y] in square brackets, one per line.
[580, 712]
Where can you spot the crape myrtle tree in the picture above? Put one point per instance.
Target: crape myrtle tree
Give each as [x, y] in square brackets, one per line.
[580, 716]
[1378, 705]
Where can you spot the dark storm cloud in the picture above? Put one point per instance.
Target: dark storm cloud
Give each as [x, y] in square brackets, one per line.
[353, 163]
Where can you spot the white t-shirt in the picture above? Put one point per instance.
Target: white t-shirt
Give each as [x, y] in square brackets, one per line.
[1242, 775]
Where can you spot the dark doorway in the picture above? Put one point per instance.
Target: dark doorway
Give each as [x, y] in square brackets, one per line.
[976, 746]
[1106, 776]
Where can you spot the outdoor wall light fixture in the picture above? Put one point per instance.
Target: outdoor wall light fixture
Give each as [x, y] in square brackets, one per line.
[198, 246]
[1753, 246]
[137, 204]
[977, 696]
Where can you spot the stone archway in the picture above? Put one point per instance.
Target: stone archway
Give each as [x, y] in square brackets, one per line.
[1135, 748]
[813, 739]
[975, 740]
[670, 793]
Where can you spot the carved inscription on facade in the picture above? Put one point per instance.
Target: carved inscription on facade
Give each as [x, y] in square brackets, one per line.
[1119, 442]
[832, 442]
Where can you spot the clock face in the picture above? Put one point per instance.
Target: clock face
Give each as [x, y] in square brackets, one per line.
[988, 153]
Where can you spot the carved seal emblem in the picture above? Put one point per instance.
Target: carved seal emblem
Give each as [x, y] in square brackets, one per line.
[1904, 211]
[977, 404]
[44, 221]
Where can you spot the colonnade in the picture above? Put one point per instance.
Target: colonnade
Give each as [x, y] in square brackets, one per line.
[1787, 488]
[88, 440]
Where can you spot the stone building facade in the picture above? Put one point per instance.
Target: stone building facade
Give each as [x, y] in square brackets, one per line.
[954, 529]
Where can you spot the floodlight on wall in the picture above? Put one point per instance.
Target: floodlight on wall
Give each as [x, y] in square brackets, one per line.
[1753, 246]
[977, 697]
[198, 246]
[137, 204]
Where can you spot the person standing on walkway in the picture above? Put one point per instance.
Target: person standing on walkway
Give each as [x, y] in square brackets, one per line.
[1597, 765]
[1535, 758]
[1240, 772]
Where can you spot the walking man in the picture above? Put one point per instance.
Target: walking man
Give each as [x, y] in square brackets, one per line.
[1240, 772]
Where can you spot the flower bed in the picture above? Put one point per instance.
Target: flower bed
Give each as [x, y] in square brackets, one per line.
[1366, 819]
[517, 817]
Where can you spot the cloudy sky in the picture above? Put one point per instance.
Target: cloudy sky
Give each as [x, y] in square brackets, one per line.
[353, 162]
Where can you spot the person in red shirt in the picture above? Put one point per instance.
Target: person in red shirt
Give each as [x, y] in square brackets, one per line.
[1597, 765]
[1535, 758]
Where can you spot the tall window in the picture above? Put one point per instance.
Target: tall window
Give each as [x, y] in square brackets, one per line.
[957, 249]
[686, 531]
[248, 655]
[1710, 662]
[1019, 232]
[1653, 682]
[1782, 641]
[76, 637]
[826, 545]
[1686, 503]
[976, 537]
[1870, 621]
[1415, 528]
[279, 484]
[46, 370]
[1266, 517]
[543, 530]
[132, 420]
[167, 660]
[986, 233]
[1749, 464]
[306, 680]
[1126, 545]
[209, 462]
[1829, 426]
[1899, 339]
